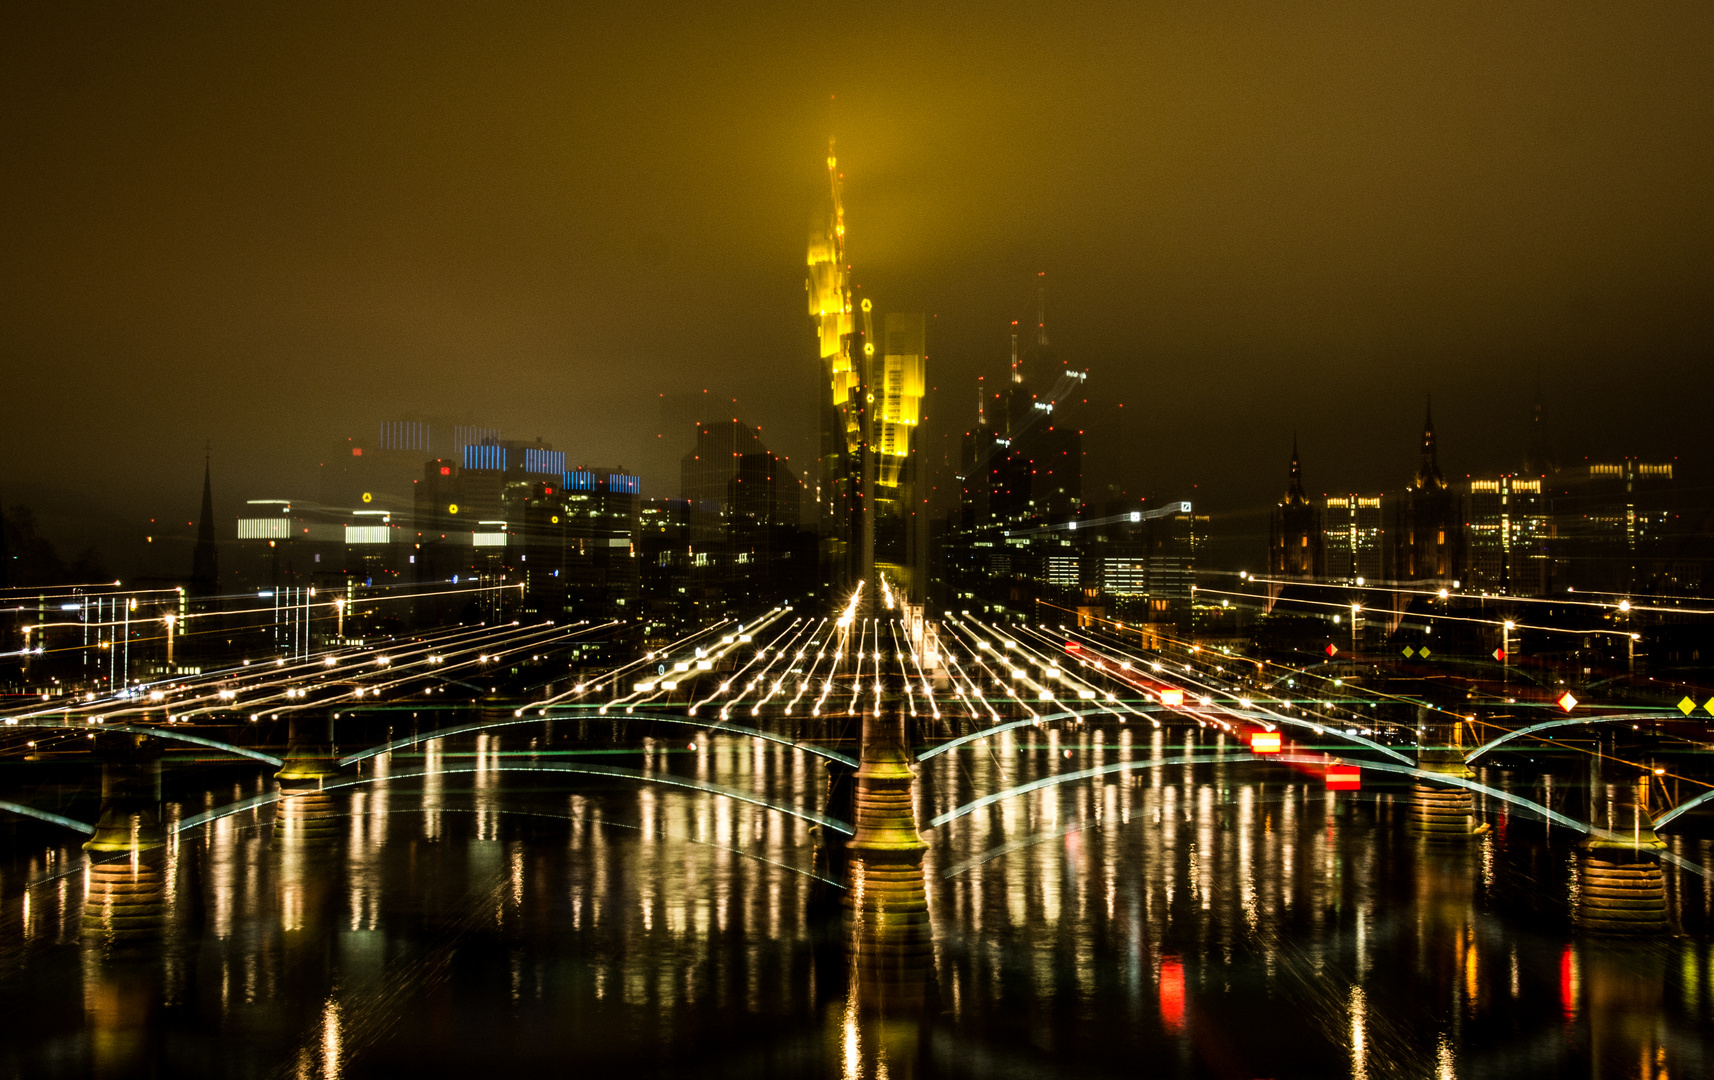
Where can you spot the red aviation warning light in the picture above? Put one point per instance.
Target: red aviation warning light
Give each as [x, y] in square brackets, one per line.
[1331, 649]
[1567, 702]
[1172, 697]
[1265, 742]
[1344, 778]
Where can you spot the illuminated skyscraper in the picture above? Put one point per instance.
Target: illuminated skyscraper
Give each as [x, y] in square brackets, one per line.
[870, 408]
[830, 305]
[1506, 539]
[1351, 538]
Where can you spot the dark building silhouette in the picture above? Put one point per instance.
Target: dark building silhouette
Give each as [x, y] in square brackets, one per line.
[205, 560]
[1294, 538]
[1428, 540]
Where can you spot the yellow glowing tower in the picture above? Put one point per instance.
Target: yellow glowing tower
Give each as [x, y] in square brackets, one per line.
[871, 405]
[838, 501]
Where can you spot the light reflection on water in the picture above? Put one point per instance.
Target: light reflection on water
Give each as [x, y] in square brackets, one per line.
[1215, 919]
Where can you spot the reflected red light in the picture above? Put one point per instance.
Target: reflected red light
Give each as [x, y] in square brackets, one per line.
[1265, 742]
[1344, 778]
[1172, 993]
[446, 470]
[1568, 982]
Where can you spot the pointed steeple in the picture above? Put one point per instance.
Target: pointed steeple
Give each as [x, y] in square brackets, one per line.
[1538, 462]
[205, 560]
[1428, 472]
[1294, 490]
[1041, 309]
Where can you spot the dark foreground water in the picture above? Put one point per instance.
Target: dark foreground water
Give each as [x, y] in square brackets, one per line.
[1218, 919]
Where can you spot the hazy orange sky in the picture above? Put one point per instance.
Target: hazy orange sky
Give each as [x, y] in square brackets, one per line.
[271, 226]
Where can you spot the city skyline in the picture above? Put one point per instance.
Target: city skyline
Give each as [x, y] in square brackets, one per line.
[1200, 558]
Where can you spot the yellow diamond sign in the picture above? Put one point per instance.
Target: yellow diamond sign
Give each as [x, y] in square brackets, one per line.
[1409, 651]
[1423, 652]
[1709, 705]
[1687, 706]
[1567, 702]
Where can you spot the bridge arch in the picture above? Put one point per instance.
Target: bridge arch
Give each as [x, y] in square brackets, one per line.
[1548, 725]
[51, 818]
[159, 733]
[1528, 805]
[585, 769]
[541, 715]
[1243, 714]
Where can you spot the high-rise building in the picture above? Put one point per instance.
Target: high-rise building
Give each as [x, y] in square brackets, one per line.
[1506, 536]
[1294, 536]
[1617, 528]
[870, 407]
[1351, 538]
[831, 305]
[707, 471]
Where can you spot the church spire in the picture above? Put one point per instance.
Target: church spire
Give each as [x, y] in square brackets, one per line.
[1428, 472]
[1294, 490]
[1041, 309]
[205, 560]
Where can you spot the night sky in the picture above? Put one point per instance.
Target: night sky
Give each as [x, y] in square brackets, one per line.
[271, 227]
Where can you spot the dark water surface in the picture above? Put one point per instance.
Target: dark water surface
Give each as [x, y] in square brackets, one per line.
[1216, 919]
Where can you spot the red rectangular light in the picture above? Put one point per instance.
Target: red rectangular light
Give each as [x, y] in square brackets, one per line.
[1265, 742]
[1344, 778]
[1172, 697]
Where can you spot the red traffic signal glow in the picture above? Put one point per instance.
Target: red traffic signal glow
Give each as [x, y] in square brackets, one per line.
[1344, 778]
[1265, 742]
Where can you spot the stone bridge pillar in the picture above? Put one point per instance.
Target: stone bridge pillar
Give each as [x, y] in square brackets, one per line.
[310, 759]
[1443, 811]
[1620, 887]
[126, 897]
[891, 946]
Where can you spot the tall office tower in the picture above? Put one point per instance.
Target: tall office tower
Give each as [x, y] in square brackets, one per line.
[1294, 538]
[1351, 538]
[1044, 443]
[707, 470]
[1619, 528]
[1506, 537]
[896, 379]
[976, 452]
[1428, 543]
[842, 402]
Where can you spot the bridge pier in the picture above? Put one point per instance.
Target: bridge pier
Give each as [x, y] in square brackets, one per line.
[1621, 889]
[126, 897]
[1443, 811]
[891, 944]
[309, 758]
